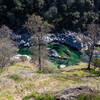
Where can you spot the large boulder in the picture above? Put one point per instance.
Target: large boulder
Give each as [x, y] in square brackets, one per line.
[21, 58]
[72, 39]
[61, 66]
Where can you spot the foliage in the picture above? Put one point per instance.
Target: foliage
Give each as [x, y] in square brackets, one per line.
[48, 68]
[39, 96]
[38, 28]
[68, 14]
[96, 62]
[24, 51]
[93, 71]
[15, 77]
[88, 97]
[7, 47]
[72, 59]
[93, 32]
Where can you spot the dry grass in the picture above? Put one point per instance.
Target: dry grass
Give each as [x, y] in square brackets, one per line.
[21, 79]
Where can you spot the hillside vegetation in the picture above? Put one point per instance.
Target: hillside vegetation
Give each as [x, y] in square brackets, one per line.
[22, 79]
[67, 14]
[49, 49]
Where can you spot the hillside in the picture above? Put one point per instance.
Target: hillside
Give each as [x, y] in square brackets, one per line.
[49, 49]
[64, 14]
[22, 79]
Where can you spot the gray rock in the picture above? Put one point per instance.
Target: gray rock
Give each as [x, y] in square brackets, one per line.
[21, 58]
[54, 53]
[70, 38]
[73, 93]
[47, 39]
[62, 66]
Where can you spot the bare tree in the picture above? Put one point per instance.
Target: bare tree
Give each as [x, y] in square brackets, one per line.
[5, 32]
[7, 46]
[7, 50]
[38, 29]
[93, 32]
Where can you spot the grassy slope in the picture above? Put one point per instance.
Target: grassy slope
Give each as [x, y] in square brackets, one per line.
[24, 51]
[73, 59]
[21, 79]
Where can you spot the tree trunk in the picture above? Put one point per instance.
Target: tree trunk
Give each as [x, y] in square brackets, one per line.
[39, 56]
[90, 58]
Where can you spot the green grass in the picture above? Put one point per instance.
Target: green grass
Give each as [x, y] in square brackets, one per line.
[15, 77]
[72, 59]
[92, 71]
[51, 97]
[24, 51]
[95, 72]
[39, 97]
[7, 95]
[88, 97]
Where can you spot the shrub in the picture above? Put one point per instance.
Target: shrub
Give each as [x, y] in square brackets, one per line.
[88, 97]
[39, 96]
[7, 46]
[96, 62]
[48, 67]
[15, 77]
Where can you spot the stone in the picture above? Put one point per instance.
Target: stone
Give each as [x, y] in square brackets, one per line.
[21, 58]
[47, 39]
[54, 53]
[62, 66]
[73, 93]
[68, 53]
[72, 39]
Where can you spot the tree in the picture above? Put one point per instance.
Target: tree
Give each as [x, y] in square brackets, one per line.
[93, 32]
[5, 32]
[38, 28]
[7, 46]
[7, 50]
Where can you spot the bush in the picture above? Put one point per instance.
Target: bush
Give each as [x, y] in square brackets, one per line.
[88, 97]
[48, 67]
[96, 62]
[15, 77]
[39, 97]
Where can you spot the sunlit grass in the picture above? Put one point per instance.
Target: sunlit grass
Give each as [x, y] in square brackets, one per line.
[39, 96]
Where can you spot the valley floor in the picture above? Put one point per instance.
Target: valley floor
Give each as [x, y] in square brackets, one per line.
[21, 79]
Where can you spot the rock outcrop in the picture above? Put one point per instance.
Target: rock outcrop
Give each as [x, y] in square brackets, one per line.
[73, 93]
[70, 38]
[21, 58]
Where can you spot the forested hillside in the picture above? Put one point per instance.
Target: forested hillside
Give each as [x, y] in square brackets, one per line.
[66, 14]
[49, 49]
